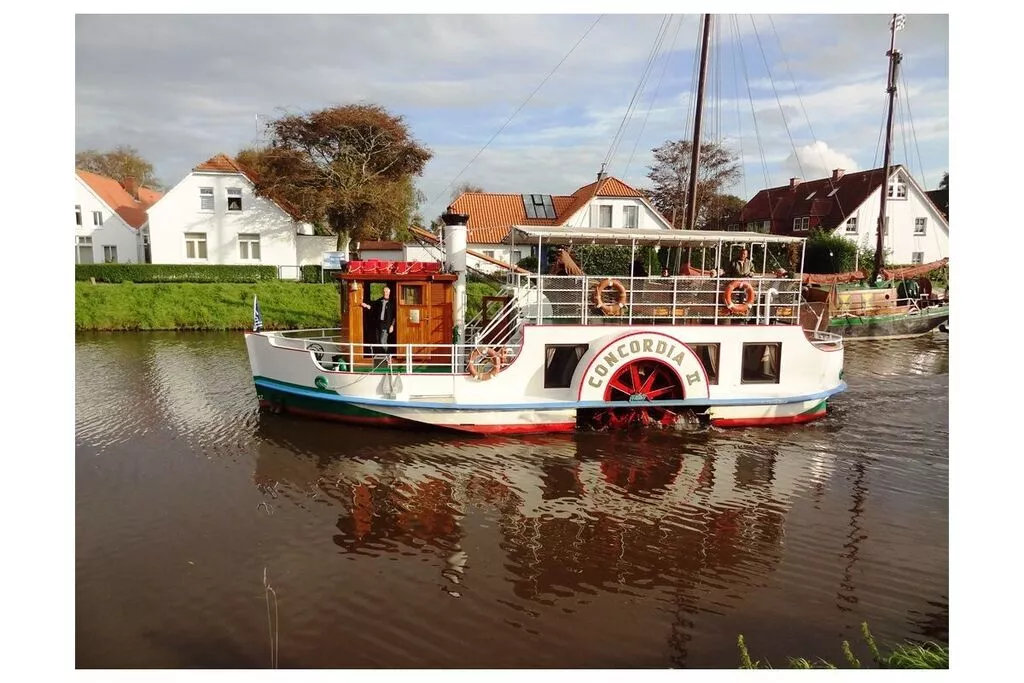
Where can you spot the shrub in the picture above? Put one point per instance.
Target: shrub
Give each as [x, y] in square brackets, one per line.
[161, 272]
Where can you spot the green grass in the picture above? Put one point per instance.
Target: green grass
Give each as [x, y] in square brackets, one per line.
[214, 306]
[905, 656]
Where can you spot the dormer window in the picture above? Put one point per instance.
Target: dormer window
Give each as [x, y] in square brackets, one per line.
[811, 196]
[801, 224]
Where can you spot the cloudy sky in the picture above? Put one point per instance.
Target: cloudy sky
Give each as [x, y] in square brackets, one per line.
[585, 89]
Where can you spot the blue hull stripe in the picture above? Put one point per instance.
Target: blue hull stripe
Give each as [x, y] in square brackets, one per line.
[285, 388]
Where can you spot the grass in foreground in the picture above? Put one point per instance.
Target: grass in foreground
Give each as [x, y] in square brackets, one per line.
[905, 656]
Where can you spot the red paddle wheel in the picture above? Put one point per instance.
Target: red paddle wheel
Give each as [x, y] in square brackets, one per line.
[644, 382]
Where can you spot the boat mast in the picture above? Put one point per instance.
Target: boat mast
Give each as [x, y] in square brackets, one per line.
[894, 64]
[691, 192]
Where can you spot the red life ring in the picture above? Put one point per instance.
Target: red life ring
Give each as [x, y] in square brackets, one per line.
[477, 356]
[732, 287]
[615, 307]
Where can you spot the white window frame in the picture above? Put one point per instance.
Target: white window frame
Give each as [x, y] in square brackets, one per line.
[78, 214]
[234, 193]
[923, 222]
[801, 224]
[897, 190]
[206, 195]
[488, 252]
[110, 253]
[246, 242]
[196, 240]
[916, 258]
[601, 209]
[97, 218]
[627, 211]
[82, 242]
[851, 226]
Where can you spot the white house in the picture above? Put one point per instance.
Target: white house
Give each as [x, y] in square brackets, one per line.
[848, 204]
[110, 219]
[607, 203]
[214, 216]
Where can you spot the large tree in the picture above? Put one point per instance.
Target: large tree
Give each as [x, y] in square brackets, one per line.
[119, 163]
[463, 188]
[670, 174]
[347, 168]
[721, 212]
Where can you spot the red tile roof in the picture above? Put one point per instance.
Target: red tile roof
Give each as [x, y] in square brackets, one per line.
[492, 215]
[113, 194]
[781, 205]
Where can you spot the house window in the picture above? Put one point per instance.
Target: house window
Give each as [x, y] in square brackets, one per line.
[78, 214]
[195, 245]
[206, 199]
[920, 226]
[833, 192]
[109, 253]
[560, 361]
[489, 253]
[897, 190]
[801, 224]
[629, 216]
[851, 226]
[886, 226]
[248, 247]
[761, 363]
[97, 218]
[234, 199]
[84, 249]
[517, 256]
[708, 354]
[810, 196]
[605, 216]
[917, 258]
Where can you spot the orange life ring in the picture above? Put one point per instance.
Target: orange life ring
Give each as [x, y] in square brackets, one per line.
[477, 356]
[732, 287]
[615, 307]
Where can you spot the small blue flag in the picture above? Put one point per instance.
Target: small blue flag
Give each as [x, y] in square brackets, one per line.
[257, 319]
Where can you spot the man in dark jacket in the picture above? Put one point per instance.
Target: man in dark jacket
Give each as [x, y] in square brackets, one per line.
[382, 315]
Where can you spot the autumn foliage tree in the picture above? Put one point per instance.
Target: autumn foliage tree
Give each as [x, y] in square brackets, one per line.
[347, 168]
[670, 174]
[119, 163]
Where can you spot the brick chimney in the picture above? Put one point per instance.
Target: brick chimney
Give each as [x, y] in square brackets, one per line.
[837, 173]
[131, 186]
[793, 182]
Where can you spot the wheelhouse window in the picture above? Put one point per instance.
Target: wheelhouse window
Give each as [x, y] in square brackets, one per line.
[78, 214]
[604, 216]
[920, 227]
[801, 224]
[206, 199]
[630, 216]
[195, 245]
[84, 249]
[97, 218]
[560, 361]
[708, 355]
[249, 247]
[851, 226]
[761, 363]
[109, 253]
[897, 189]
[234, 199]
[917, 258]
[412, 295]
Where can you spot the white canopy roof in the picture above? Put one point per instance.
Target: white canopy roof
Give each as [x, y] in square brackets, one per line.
[531, 233]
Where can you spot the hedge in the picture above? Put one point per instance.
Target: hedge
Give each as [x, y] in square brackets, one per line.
[153, 272]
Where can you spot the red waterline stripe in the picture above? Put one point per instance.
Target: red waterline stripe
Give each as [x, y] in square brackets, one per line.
[768, 421]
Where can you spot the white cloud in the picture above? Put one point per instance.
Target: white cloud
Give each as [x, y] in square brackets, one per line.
[817, 160]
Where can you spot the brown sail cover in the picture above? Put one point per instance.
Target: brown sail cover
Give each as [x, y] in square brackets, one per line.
[832, 278]
[913, 271]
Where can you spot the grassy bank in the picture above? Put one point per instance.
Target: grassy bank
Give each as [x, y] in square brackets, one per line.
[215, 306]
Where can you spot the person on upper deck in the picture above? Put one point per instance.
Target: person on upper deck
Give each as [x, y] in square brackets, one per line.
[743, 267]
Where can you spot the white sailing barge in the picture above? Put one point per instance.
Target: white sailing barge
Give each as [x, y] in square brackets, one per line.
[557, 352]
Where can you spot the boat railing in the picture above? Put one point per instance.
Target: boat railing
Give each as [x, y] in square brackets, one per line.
[682, 300]
[330, 352]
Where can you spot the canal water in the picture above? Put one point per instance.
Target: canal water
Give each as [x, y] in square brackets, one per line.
[210, 535]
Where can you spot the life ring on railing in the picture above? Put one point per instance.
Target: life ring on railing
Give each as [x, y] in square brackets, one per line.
[615, 307]
[730, 289]
[480, 354]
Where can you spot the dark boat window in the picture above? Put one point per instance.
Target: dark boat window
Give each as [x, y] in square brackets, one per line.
[560, 361]
[708, 355]
[761, 363]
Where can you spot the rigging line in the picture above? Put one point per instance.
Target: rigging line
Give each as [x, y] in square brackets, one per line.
[903, 130]
[753, 113]
[771, 80]
[655, 49]
[739, 122]
[657, 89]
[913, 129]
[519, 108]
